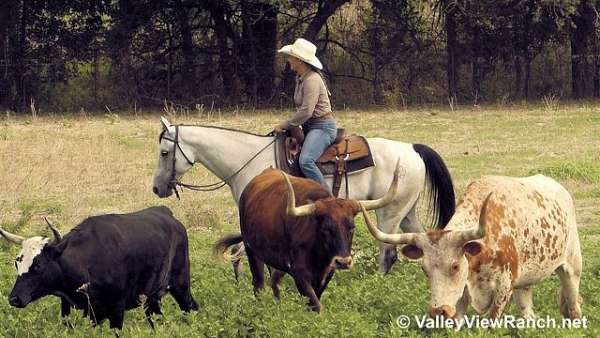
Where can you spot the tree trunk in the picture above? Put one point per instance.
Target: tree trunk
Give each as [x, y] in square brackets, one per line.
[21, 61]
[249, 48]
[95, 75]
[596, 58]
[476, 75]
[581, 35]
[518, 63]
[526, 48]
[259, 44]
[324, 11]
[527, 82]
[451, 49]
[376, 64]
[169, 60]
[8, 13]
[187, 48]
[227, 63]
[120, 51]
[596, 69]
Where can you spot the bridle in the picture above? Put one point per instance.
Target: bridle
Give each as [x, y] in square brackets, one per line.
[174, 183]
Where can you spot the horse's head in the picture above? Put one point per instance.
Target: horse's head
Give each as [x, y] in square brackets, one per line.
[174, 159]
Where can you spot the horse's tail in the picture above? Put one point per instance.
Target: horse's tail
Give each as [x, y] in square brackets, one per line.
[441, 190]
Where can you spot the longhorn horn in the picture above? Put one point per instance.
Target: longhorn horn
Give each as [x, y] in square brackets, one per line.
[406, 238]
[387, 198]
[57, 236]
[474, 234]
[292, 209]
[11, 237]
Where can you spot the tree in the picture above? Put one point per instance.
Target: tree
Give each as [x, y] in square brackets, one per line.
[325, 9]
[127, 17]
[259, 43]
[582, 33]
[220, 12]
[8, 45]
[40, 42]
[449, 15]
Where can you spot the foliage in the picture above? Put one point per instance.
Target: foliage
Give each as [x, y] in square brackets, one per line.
[90, 54]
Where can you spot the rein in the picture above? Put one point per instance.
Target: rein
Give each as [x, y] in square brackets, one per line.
[174, 183]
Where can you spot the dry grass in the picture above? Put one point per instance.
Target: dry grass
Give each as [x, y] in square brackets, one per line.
[75, 166]
[72, 167]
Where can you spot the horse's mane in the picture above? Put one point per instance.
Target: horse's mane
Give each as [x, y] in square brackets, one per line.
[270, 134]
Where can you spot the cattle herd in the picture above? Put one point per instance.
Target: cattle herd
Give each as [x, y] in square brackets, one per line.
[506, 235]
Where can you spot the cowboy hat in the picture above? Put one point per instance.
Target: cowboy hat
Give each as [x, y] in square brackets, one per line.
[303, 50]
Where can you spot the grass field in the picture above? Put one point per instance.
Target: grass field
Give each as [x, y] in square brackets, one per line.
[74, 166]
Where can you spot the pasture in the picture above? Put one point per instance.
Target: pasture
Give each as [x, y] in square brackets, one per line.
[69, 167]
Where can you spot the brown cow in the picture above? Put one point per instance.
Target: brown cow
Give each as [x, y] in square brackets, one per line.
[308, 242]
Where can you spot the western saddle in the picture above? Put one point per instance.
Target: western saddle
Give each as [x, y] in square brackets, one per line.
[347, 154]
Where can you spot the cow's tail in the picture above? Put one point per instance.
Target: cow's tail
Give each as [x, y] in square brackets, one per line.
[221, 246]
[441, 190]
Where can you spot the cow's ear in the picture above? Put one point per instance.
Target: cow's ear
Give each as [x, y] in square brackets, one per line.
[54, 250]
[355, 206]
[472, 248]
[412, 252]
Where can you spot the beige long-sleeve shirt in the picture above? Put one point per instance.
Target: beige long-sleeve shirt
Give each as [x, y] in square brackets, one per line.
[311, 97]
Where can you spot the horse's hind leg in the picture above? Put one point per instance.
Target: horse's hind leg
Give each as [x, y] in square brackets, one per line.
[389, 220]
[411, 223]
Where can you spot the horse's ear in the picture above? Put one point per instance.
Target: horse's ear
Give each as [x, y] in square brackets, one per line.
[166, 125]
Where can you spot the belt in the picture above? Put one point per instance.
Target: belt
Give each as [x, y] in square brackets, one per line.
[321, 118]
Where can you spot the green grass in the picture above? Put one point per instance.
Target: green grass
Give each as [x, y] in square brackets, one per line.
[70, 167]
[583, 172]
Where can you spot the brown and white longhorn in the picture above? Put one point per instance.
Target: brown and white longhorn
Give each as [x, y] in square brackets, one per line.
[507, 235]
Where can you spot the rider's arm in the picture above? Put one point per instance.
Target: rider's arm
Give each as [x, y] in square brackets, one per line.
[310, 90]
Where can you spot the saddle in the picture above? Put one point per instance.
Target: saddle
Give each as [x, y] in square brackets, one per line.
[347, 154]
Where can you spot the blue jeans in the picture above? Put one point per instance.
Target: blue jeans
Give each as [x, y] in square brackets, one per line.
[318, 136]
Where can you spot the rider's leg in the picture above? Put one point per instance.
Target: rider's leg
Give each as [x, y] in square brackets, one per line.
[315, 143]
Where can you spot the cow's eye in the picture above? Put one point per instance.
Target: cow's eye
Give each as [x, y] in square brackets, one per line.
[454, 269]
[36, 268]
[164, 153]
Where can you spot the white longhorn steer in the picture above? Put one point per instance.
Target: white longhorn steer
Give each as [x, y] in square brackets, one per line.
[507, 234]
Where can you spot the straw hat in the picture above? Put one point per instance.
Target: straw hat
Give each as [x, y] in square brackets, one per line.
[303, 50]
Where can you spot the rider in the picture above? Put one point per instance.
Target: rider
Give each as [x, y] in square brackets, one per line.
[313, 112]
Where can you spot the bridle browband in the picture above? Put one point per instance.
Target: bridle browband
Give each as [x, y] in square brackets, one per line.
[173, 182]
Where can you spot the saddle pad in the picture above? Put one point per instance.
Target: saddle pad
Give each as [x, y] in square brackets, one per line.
[360, 156]
[355, 146]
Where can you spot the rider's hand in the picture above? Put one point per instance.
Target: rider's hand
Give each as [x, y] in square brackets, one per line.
[278, 129]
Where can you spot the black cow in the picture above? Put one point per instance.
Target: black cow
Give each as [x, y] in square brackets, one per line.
[106, 263]
[308, 242]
